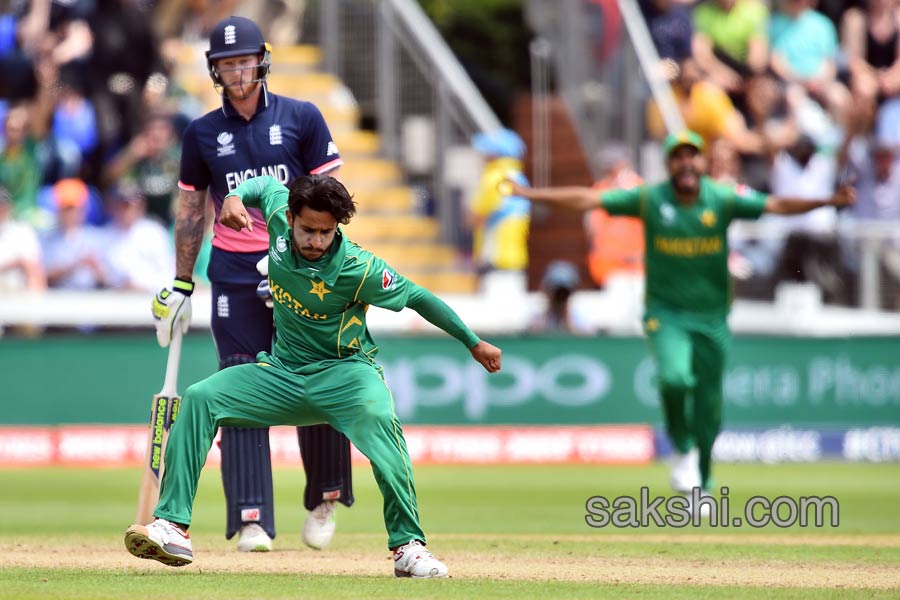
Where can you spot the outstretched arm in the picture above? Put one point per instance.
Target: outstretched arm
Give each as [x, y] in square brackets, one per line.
[844, 196]
[435, 311]
[572, 198]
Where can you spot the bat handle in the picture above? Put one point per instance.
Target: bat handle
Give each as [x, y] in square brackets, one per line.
[170, 386]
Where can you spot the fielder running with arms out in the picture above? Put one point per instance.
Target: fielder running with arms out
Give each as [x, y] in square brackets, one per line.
[255, 132]
[688, 287]
[321, 369]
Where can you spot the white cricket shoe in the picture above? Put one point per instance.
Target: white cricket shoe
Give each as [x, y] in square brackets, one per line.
[253, 538]
[684, 474]
[319, 526]
[160, 540]
[413, 560]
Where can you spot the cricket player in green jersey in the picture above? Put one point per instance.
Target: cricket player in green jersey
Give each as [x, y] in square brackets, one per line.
[688, 286]
[321, 369]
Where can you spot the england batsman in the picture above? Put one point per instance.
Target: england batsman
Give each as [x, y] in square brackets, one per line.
[321, 368]
[688, 287]
[254, 132]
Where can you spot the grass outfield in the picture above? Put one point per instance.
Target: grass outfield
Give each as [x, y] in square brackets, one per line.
[505, 532]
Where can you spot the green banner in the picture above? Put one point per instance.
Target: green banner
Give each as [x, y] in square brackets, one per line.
[110, 378]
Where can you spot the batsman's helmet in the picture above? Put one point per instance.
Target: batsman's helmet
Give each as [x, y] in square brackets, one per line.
[237, 36]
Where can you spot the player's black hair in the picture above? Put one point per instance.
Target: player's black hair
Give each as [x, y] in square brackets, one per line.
[322, 193]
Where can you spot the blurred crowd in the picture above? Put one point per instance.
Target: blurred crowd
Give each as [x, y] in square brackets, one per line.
[92, 116]
[791, 96]
[794, 97]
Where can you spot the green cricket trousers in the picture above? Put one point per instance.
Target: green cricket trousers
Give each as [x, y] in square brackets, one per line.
[349, 394]
[690, 351]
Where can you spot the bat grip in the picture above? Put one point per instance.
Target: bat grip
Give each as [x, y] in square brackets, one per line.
[170, 386]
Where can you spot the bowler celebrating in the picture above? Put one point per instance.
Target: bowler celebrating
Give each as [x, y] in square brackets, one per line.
[688, 287]
[254, 133]
[322, 367]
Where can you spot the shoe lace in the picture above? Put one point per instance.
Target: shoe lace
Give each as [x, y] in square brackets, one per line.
[169, 530]
[324, 511]
[415, 550]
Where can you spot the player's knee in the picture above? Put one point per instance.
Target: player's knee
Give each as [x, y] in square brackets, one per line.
[372, 416]
[197, 394]
[675, 381]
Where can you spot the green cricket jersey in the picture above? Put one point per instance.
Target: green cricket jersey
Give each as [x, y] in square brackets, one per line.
[320, 306]
[686, 246]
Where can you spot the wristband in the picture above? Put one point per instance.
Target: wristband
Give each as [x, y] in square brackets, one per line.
[184, 286]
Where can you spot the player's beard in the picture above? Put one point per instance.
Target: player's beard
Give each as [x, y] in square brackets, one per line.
[686, 181]
[312, 254]
[308, 252]
[241, 90]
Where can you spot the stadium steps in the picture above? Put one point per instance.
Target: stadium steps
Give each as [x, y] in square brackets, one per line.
[370, 173]
[356, 143]
[367, 228]
[390, 222]
[296, 59]
[416, 255]
[386, 200]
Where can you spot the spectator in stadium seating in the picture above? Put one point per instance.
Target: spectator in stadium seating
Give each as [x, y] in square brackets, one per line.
[73, 251]
[124, 58]
[31, 31]
[747, 259]
[499, 220]
[724, 162]
[561, 279]
[616, 244]
[20, 167]
[20, 253]
[671, 30]
[870, 38]
[74, 125]
[687, 300]
[836, 9]
[165, 93]
[731, 42]
[137, 251]
[26, 148]
[872, 164]
[804, 52]
[15, 62]
[707, 110]
[808, 248]
[770, 115]
[151, 159]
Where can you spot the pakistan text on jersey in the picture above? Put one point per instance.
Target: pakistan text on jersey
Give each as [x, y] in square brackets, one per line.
[693, 246]
[236, 178]
[281, 296]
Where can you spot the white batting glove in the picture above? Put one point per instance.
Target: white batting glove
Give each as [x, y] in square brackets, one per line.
[262, 290]
[263, 266]
[171, 309]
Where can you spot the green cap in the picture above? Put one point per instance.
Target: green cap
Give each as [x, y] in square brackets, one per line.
[684, 137]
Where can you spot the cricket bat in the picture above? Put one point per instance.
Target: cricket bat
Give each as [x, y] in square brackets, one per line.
[163, 411]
